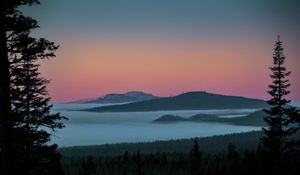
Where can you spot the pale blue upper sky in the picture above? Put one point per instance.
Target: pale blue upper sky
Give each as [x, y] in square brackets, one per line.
[202, 17]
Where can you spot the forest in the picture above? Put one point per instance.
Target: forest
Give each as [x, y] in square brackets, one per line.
[229, 154]
[231, 161]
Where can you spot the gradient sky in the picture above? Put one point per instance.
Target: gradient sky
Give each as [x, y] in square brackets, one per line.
[166, 47]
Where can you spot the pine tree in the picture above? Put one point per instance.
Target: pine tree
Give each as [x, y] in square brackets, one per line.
[195, 153]
[26, 122]
[232, 159]
[196, 159]
[88, 167]
[30, 103]
[6, 11]
[281, 117]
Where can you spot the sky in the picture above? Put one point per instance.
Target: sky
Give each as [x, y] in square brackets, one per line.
[166, 47]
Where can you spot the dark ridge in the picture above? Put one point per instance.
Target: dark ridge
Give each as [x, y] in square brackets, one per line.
[187, 101]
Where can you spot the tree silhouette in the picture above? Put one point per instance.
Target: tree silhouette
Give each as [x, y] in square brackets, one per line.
[88, 167]
[196, 159]
[25, 122]
[232, 158]
[281, 117]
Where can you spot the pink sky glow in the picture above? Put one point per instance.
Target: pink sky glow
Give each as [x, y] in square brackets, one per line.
[90, 67]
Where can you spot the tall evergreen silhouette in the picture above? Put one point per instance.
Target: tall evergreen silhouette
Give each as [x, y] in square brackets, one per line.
[88, 167]
[196, 159]
[281, 117]
[6, 10]
[26, 122]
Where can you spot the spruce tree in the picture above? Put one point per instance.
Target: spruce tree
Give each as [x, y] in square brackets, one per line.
[281, 117]
[30, 104]
[88, 167]
[196, 159]
[26, 122]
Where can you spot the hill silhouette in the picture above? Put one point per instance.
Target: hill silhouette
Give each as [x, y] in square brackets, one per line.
[131, 96]
[254, 119]
[186, 101]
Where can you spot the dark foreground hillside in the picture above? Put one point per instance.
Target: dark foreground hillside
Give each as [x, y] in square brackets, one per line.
[234, 154]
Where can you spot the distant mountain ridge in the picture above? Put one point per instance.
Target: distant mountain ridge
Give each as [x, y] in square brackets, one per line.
[195, 118]
[187, 101]
[253, 119]
[131, 96]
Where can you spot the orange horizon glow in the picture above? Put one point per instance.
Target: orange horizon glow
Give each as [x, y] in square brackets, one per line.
[86, 67]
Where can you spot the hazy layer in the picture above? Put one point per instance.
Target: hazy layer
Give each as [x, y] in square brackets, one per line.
[87, 128]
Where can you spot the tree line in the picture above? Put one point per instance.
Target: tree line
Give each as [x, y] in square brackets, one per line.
[194, 162]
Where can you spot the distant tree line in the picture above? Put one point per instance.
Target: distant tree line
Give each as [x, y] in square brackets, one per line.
[230, 162]
[242, 141]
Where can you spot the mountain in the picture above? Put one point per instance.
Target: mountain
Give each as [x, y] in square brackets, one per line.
[202, 117]
[132, 96]
[253, 119]
[169, 118]
[186, 101]
[173, 118]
